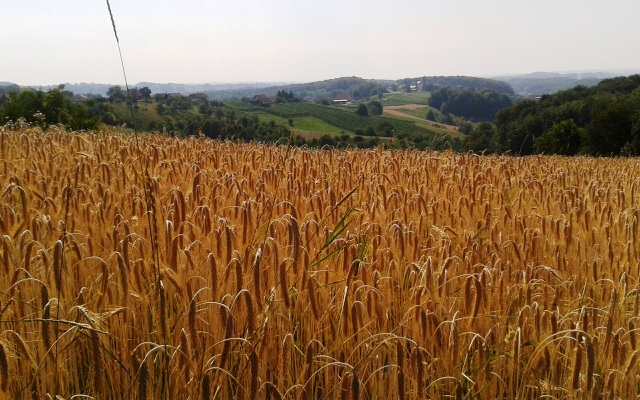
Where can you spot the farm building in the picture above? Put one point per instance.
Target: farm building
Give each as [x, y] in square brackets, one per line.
[261, 100]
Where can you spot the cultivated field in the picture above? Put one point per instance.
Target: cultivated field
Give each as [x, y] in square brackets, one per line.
[417, 113]
[161, 268]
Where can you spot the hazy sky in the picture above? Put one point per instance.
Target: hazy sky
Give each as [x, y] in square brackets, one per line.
[197, 41]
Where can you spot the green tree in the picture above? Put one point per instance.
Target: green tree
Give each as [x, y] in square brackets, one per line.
[632, 148]
[517, 126]
[205, 108]
[439, 97]
[386, 129]
[362, 110]
[374, 107]
[447, 119]
[480, 138]
[407, 85]
[563, 138]
[479, 104]
[134, 95]
[145, 93]
[610, 128]
[55, 106]
[44, 109]
[327, 140]
[465, 128]
[24, 104]
[115, 94]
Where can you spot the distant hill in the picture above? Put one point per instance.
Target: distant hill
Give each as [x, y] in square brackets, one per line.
[184, 89]
[203, 88]
[8, 87]
[357, 88]
[537, 83]
[540, 83]
[351, 87]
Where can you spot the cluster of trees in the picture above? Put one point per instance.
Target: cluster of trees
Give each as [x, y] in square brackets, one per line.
[285, 97]
[116, 94]
[172, 105]
[43, 109]
[178, 115]
[340, 142]
[366, 89]
[471, 104]
[433, 83]
[182, 117]
[599, 120]
[353, 87]
[228, 125]
[374, 107]
[383, 129]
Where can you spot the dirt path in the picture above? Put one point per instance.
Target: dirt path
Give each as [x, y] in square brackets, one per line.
[393, 110]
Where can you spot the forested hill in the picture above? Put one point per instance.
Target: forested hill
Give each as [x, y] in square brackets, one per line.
[8, 87]
[353, 88]
[432, 83]
[540, 83]
[358, 88]
[349, 87]
[540, 86]
[599, 120]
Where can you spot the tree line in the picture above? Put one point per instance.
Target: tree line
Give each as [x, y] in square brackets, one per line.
[44, 109]
[472, 104]
[602, 120]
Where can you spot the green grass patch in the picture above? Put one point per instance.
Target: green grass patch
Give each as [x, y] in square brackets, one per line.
[241, 106]
[269, 117]
[424, 124]
[144, 113]
[345, 119]
[302, 124]
[418, 112]
[312, 124]
[401, 99]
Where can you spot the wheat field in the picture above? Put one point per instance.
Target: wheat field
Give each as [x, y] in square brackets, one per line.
[148, 267]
